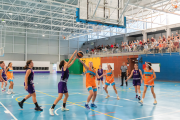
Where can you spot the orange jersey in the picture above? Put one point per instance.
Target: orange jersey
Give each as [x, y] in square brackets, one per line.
[109, 77]
[9, 74]
[90, 78]
[148, 75]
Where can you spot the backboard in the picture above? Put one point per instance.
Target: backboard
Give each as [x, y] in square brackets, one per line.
[101, 12]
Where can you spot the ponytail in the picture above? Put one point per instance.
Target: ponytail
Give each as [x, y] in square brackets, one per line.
[9, 64]
[27, 64]
[61, 64]
[149, 64]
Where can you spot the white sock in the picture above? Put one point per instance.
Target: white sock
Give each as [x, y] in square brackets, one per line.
[142, 99]
[1, 88]
[87, 103]
[139, 94]
[8, 90]
[107, 94]
[92, 102]
[117, 95]
[154, 98]
[136, 94]
[98, 85]
[11, 90]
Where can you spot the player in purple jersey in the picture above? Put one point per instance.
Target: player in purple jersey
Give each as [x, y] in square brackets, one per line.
[29, 86]
[100, 72]
[62, 85]
[2, 64]
[137, 75]
[5, 78]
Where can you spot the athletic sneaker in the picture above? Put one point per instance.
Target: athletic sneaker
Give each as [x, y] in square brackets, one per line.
[98, 87]
[64, 109]
[139, 98]
[103, 87]
[9, 93]
[2, 90]
[136, 96]
[87, 106]
[107, 96]
[20, 104]
[141, 102]
[93, 105]
[12, 93]
[38, 109]
[118, 98]
[51, 111]
[155, 102]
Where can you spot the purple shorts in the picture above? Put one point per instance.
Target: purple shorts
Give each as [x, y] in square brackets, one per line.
[30, 89]
[100, 79]
[5, 78]
[62, 87]
[136, 82]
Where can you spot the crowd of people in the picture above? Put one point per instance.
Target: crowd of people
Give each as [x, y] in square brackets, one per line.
[152, 45]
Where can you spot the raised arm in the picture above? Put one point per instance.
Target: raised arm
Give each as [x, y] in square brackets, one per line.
[130, 75]
[72, 62]
[86, 67]
[71, 58]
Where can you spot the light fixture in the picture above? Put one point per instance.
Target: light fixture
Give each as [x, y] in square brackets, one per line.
[64, 28]
[43, 35]
[10, 13]
[35, 25]
[3, 21]
[63, 9]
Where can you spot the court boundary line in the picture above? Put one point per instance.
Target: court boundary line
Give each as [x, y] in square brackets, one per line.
[9, 111]
[81, 106]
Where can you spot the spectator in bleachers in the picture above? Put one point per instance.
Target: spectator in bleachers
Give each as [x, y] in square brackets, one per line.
[117, 45]
[152, 39]
[177, 35]
[165, 47]
[112, 46]
[172, 36]
[156, 44]
[176, 44]
[87, 51]
[159, 38]
[164, 38]
[148, 41]
[152, 47]
[145, 48]
[160, 46]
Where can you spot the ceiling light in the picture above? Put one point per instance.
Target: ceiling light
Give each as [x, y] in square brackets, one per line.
[64, 28]
[35, 25]
[3, 21]
[10, 13]
[43, 35]
[63, 9]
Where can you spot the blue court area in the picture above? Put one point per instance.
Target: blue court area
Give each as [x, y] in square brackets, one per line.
[127, 108]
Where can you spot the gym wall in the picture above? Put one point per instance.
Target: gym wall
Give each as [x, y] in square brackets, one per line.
[169, 65]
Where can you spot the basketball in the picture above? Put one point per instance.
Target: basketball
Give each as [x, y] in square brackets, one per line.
[80, 54]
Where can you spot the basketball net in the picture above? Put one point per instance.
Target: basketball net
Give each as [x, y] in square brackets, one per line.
[175, 5]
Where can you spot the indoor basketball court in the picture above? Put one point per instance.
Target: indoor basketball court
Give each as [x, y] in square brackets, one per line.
[89, 59]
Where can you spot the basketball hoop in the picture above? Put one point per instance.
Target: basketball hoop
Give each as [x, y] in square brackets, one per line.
[174, 4]
[64, 37]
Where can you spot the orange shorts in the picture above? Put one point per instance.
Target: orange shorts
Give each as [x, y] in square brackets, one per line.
[150, 84]
[91, 84]
[108, 81]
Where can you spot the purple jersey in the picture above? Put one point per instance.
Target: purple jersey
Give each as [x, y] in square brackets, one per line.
[100, 72]
[30, 77]
[4, 75]
[136, 75]
[65, 75]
